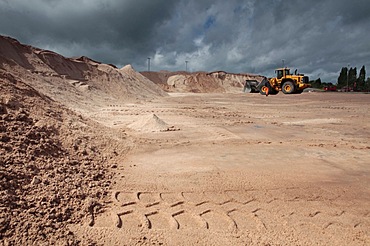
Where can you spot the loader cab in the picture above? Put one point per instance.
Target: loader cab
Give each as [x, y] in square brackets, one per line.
[282, 72]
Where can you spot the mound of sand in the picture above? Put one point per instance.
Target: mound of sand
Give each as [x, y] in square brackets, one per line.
[150, 123]
[201, 82]
[80, 83]
[53, 172]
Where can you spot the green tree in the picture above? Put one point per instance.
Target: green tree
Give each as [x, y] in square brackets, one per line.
[316, 83]
[367, 85]
[352, 77]
[342, 79]
[361, 79]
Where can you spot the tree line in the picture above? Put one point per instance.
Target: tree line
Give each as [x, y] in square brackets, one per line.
[348, 77]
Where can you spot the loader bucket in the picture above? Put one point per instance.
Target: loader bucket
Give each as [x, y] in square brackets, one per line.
[247, 87]
[250, 86]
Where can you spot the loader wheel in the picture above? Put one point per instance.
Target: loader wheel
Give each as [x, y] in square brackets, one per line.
[267, 88]
[264, 90]
[288, 87]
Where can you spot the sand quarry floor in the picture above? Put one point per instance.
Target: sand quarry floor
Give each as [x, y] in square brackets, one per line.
[239, 169]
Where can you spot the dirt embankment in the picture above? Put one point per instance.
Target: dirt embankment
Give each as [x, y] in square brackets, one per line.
[200, 82]
[53, 167]
[79, 83]
[54, 162]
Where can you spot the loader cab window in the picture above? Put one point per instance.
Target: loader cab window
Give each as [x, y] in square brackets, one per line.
[279, 74]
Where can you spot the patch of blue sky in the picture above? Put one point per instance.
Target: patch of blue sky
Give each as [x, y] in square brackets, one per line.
[209, 22]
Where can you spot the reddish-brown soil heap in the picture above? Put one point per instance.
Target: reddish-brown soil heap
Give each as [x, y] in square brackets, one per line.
[51, 173]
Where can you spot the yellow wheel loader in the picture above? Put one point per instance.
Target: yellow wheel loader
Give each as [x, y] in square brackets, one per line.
[284, 81]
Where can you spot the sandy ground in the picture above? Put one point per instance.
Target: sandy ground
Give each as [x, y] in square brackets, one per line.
[239, 169]
[183, 169]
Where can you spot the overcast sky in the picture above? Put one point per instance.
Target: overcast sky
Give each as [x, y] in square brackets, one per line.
[318, 37]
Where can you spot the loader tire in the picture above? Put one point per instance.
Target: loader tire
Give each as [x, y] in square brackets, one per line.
[288, 88]
[264, 90]
[266, 86]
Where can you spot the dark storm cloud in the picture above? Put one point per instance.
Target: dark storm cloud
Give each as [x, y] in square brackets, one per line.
[117, 27]
[318, 37]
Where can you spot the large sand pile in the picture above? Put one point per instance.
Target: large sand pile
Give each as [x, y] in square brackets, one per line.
[54, 163]
[80, 83]
[53, 167]
[201, 82]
